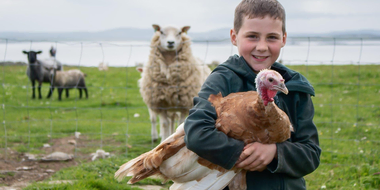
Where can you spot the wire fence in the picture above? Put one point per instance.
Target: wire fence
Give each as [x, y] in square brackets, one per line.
[343, 71]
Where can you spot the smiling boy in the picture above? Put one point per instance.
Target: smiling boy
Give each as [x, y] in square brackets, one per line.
[259, 41]
[259, 34]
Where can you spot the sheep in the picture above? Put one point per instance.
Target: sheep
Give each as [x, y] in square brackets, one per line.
[171, 78]
[66, 80]
[153, 116]
[38, 70]
[103, 66]
[52, 62]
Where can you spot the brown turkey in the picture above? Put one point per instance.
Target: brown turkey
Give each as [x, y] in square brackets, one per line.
[248, 116]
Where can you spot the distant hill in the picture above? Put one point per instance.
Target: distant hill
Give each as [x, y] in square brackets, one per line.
[135, 34]
[342, 34]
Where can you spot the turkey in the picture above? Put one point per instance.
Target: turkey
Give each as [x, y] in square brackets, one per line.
[247, 116]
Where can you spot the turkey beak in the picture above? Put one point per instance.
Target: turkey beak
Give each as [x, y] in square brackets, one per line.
[281, 87]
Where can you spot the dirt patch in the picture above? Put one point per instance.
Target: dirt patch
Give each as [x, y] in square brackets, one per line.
[18, 170]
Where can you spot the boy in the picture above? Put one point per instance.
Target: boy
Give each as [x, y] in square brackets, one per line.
[259, 34]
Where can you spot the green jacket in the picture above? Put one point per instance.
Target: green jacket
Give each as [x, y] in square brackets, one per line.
[297, 157]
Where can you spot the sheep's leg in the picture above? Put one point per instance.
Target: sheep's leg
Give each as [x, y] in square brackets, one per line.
[39, 89]
[33, 89]
[80, 92]
[67, 92]
[182, 117]
[164, 122]
[50, 91]
[85, 91]
[172, 122]
[60, 90]
[153, 122]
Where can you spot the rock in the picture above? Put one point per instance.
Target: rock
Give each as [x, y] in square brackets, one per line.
[100, 154]
[73, 142]
[30, 157]
[47, 146]
[57, 156]
[24, 168]
[77, 134]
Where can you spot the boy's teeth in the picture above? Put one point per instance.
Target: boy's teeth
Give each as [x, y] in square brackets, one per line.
[260, 57]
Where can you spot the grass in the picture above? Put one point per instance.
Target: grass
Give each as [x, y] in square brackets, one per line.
[347, 114]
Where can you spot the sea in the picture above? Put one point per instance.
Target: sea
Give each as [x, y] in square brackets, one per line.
[297, 51]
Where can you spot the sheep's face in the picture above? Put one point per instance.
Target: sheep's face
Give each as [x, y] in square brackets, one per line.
[171, 37]
[32, 55]
[52, 51]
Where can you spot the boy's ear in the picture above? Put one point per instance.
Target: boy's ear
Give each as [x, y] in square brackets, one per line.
[284, 39]
[233, 36]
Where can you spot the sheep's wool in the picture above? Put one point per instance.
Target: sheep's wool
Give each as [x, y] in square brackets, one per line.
[172, 86]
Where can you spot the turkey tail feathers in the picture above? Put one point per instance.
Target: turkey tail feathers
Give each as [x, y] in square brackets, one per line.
[136, 169]
[212, 181]
[148, 163]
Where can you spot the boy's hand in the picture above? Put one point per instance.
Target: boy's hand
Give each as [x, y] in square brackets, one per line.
[256, 156]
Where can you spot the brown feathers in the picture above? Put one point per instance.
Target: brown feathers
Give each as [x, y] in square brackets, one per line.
[246, 116]
[243, 116]
[148, 163]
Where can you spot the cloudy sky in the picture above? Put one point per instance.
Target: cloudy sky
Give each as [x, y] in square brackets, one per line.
[303, 16]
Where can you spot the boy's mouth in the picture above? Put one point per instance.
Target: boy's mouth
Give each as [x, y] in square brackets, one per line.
[260, 57]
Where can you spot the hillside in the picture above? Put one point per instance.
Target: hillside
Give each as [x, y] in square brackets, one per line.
[136, 34]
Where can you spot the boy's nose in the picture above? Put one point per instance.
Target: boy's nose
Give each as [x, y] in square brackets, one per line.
[262, 45]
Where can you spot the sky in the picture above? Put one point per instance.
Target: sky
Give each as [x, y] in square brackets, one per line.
[303, 16]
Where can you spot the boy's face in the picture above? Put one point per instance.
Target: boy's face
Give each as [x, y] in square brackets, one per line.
[259, 41]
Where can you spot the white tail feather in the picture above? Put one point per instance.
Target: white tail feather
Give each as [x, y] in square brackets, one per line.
[213, 181]
[183, 169]
[125, 169]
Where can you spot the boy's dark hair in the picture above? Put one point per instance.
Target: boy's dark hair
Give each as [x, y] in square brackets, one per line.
[258, 8]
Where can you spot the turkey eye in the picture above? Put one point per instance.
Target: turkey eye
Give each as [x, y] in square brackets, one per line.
[270, 80]
[161, 32]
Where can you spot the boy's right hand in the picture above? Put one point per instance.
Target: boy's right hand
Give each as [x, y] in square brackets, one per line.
[256, 156]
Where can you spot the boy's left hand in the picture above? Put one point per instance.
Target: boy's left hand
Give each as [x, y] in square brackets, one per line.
[256, 156]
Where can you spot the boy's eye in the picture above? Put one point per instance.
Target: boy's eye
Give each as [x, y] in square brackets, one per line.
[252, 36]
[273, 37]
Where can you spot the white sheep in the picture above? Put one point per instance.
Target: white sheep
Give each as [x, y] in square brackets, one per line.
[154, 115]
[103, 66]
[52, 62]
[171, 78]
[67, 80]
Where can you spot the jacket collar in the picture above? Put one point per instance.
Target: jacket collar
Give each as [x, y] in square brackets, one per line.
[294, 81]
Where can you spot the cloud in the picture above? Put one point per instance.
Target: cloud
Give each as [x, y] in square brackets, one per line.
[98, 15]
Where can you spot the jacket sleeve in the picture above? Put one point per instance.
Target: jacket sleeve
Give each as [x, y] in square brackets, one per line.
[201, 136]
[300, 155]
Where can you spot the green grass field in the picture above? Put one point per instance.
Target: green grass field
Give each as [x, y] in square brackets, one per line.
[347, 114]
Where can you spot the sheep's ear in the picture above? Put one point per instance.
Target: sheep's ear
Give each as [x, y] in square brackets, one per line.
[38, 52]
[185, 29]
[139, 69]
[25, 52]
[156, 27]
